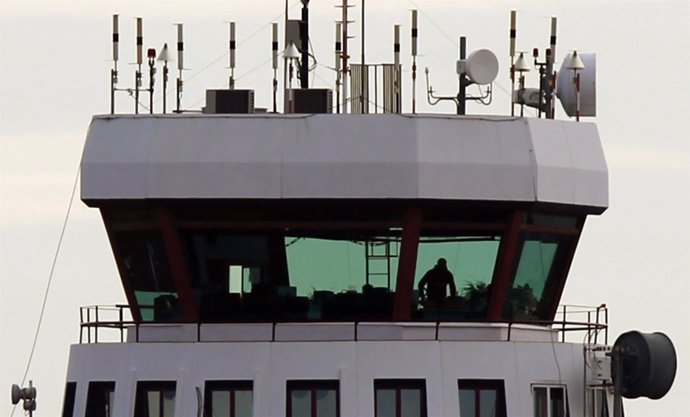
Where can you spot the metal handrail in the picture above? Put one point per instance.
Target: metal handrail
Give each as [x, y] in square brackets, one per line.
[593, 328]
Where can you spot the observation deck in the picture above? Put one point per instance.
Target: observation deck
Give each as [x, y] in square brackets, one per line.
[312, 218]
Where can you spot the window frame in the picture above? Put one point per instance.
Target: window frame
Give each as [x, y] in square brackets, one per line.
[478, 385]
[231, 386]
[311, 385]
[549, 388]
[145, 387]
[398, 385]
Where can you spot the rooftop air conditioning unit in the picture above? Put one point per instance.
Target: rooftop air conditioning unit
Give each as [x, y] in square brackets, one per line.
[313, 100]
[229, 102]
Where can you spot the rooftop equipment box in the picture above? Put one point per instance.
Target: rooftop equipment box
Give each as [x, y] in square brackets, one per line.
[313, 100]
[229, 101]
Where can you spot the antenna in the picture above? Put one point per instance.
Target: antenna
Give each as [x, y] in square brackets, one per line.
[27, 395]
[164, 56]
[345, 55]
[304, 36]
[116, 57]
[513, 34]
[137, 73]
[338, 56]
[396, 66]
[151, 57]
[180, 64]
[291, 54]
[274, 50]
[364, 105]
[232, 55]
[550, 76]
[414, 61]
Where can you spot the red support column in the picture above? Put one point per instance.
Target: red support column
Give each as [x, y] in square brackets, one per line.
[407, 262]
[178, 266]
[506, 261]
[129, 291]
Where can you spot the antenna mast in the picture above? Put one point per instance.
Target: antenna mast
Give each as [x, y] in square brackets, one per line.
[338, 56]
[180, 64]
[345, 56]
[137, 73]
[550, 74]
[232, 46]
[274, 49]
[414, 61]
[513, 34]
[304, 36]
[116, 56]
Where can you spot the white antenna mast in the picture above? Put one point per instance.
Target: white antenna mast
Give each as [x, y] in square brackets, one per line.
[180, 64]
[414, 61]
[164, 56]
[338, 57]
[274, 49]
[396, 68]
[513, 33]
[137, 74]
[116, 57]
[345, 56]
[232, 56]
[551, 59]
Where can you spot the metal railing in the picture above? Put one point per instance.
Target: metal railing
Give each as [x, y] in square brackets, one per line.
[117, 318]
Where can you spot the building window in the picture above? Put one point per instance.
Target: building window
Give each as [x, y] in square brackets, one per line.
[155, 399]
[400, 397]
[550, 401]
[481, 398]
[228, 398]
[99, 400]
[313, 398]
[68, 403]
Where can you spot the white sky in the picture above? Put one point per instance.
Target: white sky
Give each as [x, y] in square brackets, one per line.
[54, 74]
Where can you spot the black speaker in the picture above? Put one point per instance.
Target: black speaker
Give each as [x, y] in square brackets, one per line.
[313, 100]
[229, 101]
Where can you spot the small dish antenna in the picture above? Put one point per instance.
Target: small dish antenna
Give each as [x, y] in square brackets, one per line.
[481, 66]
[583, 66]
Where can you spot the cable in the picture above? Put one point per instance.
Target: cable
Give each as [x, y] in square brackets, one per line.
[50, 280]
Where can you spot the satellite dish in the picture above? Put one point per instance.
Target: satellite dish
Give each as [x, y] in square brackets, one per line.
[482, 66]
[16, 394]
[647, 364]
[566, 90]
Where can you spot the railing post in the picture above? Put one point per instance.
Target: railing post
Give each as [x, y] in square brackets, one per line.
[81, 325]
[97, 324]
[88, 324]
[606, 329]
[122, 325]
[563, 325]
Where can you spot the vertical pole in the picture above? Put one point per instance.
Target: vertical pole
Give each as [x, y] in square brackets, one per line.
[414, 61]
[397, 71]
[513, 34]
[137, 75]
[345, 58]
[231, 64]
[285, 60]
[338, 53]
[550, 59]
[402, 305]
[462, 92]
[116, 57]
[180, 64]
[274, 49]
[304, 35]
[362, 97]
[577, 96]
[165, 80]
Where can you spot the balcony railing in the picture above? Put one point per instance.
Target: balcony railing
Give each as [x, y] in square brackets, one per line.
[117, 323]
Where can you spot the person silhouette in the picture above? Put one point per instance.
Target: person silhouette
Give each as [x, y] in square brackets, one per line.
[436, 280]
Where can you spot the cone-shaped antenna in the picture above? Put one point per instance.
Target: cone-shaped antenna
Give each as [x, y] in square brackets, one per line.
[291, 52]
[521, 64]
[574, 62]
[164, 55]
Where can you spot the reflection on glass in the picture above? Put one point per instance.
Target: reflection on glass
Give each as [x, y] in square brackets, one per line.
[301, 403]
[385, 403]
[154, 402]
[243, 404]
[221, 403]
[168, 404]
[410, 403]
[467, 403]
[535, 269]
[326, 403]
[487, 403]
